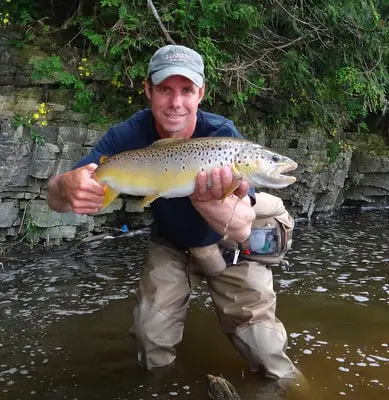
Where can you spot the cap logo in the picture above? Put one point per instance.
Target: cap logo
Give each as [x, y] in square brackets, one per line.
[178, 57]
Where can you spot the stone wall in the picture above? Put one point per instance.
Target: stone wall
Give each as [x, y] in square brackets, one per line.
[320, 183]
[26, 166]
[368, 181]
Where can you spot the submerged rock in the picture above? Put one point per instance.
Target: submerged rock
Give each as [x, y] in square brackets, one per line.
[220, 389]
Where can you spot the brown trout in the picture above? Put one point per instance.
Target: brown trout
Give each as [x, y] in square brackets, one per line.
[168, 168]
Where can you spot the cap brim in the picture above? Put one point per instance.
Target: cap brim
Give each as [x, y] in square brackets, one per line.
[159, 76]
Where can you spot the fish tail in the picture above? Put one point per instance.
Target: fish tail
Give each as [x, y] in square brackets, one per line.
[109, 196]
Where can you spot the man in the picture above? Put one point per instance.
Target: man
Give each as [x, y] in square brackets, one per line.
[242, 293]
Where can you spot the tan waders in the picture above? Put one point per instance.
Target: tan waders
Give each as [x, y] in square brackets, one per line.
[244, 300]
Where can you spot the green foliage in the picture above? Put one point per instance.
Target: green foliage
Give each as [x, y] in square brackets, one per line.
[47, 68]
[52, 68]
[333, 150]
[20, 13]
[369, 143]
[83, 101]
[29, 123]
[312, 62]
[31, 232]
[361, 93]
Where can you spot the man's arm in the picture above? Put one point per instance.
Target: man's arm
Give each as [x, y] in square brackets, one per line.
[76, 191]
[234, 216]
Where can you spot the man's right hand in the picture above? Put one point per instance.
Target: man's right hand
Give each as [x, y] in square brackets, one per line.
[76, 191]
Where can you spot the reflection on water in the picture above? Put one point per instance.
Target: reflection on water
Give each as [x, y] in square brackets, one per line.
[65, 317]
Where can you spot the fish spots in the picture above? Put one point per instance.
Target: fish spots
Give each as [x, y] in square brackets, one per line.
[194, 155]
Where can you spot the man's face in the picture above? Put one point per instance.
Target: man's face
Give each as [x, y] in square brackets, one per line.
[174, 103]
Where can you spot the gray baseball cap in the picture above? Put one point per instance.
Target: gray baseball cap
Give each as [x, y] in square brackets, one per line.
[176, 60]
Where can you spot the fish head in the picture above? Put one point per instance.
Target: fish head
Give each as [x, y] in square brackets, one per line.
[262, 167]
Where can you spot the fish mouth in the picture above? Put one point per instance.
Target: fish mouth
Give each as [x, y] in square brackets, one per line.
[282, 169]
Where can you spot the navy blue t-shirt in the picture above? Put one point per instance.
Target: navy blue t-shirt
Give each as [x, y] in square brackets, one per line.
[176, 219]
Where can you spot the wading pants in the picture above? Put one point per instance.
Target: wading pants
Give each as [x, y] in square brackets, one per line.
[244, 300]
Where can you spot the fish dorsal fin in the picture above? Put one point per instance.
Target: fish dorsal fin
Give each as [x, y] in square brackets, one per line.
[162, 142]
[102, 159]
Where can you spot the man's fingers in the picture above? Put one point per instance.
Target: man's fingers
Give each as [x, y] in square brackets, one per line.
[242, 189]
[86, 210]
[88, 197]
[227, 179]
[91, 187]
[201, 184]
[90, 167]
[91, 203]
[86, 183]
[222, 182]
[217, 183]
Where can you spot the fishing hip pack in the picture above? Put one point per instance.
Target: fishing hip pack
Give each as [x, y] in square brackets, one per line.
[269, 240]
[271, 232]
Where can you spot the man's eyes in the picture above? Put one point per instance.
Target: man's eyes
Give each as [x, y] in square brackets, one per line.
[164, 89]
[168, 90]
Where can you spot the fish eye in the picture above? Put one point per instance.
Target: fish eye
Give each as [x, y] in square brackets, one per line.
[276, 158]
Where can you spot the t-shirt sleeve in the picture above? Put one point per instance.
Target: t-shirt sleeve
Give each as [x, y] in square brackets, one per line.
[105, 147]
[228, 129]
[124, 136]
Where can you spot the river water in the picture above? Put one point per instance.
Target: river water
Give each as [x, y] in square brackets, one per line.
[65, 318]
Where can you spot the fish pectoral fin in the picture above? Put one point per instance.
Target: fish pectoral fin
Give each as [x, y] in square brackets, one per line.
[149, 199]
[231, 189]
[236, 181]
[109, 196]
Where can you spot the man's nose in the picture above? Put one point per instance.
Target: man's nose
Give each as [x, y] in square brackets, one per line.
[175, 100]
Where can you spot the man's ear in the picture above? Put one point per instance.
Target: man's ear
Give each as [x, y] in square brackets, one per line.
[148, 90]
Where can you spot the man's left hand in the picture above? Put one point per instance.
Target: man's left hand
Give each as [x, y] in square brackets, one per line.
[221, 182]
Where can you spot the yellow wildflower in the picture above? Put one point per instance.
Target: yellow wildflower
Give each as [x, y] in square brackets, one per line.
[116, 83]
[84, 59]
[87, 73]
[36, 116]
[81, 68]
[129, 100]
[5, 21]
